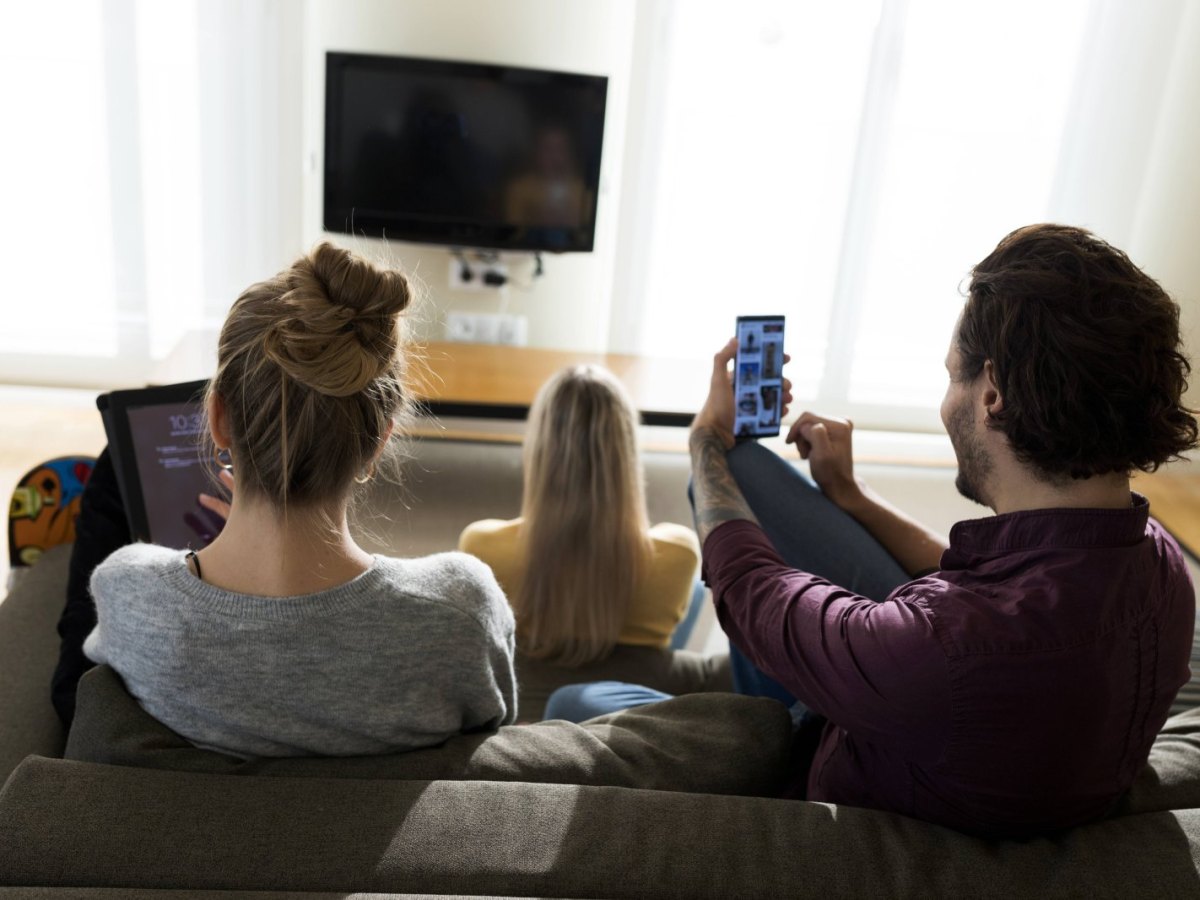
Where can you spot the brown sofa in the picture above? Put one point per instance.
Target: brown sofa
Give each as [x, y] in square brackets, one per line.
[671, 801]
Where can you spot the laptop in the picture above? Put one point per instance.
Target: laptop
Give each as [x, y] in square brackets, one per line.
[157, 437]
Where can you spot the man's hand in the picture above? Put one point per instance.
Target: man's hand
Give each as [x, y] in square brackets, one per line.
[716, 496]
[717, 413]
[827, 445]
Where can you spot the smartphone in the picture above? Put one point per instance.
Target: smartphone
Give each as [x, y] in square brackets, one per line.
[758, 377]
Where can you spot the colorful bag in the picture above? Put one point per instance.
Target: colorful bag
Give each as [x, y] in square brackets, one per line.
[44, 507]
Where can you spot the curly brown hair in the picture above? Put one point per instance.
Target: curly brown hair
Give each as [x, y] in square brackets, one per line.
[1086, 352]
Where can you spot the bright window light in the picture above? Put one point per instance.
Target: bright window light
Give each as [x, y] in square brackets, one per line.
[971, 153]
[169, 114]
[59, 291]
[762, 114]
[846, 164]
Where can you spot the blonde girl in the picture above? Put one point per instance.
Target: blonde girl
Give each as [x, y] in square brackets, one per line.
[583, 569]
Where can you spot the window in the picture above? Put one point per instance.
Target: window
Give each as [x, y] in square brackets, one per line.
[971, 152]
[145, 184]
[54, 166]
[844, 164]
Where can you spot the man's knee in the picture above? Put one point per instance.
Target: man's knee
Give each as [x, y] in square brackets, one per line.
[763, 475]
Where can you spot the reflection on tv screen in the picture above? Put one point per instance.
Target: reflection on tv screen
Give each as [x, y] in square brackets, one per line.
[462, 153]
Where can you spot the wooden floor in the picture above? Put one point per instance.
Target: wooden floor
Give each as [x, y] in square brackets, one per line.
[1174, 495]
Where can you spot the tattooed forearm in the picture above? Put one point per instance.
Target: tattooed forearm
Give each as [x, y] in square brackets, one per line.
[717, 496]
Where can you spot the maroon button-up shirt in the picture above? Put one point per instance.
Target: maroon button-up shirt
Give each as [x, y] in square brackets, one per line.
[1016, 690]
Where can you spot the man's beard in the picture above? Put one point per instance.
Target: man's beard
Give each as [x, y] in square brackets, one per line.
[974, 461]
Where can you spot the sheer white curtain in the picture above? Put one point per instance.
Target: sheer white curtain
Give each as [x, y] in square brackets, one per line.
[55, 187]
[846, 164]
[142, 179]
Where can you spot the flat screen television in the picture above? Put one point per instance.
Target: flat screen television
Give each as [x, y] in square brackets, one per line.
[462, 154]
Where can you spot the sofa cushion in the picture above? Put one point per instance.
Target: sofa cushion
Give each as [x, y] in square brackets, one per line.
[707, 743]
[669, 671]
[1171, 777]
[28, 654]
[71, 823]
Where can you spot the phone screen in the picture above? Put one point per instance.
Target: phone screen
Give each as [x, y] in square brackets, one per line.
[758, 376]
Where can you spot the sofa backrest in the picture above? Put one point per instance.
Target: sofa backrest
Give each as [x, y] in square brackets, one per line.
[88, 825]
[448, 484]
[1171, 777]
[709, 743]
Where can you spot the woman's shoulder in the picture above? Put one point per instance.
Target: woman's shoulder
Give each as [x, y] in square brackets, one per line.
[453, 579]
[449, 567]
[135, 560]
[675, 539]
[492, 527]
[488, 533]
[136, 577]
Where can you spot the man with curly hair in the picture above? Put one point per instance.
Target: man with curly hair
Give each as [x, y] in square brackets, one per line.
[1008, 681]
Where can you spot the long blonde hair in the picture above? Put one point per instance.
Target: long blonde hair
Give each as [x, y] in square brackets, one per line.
[311, 374]
[585, 526]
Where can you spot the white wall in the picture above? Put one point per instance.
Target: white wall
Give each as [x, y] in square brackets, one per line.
[568, 308]
[251, 98]
[1146, 209]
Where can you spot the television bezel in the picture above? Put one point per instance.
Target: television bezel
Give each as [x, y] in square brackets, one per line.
[451, 234]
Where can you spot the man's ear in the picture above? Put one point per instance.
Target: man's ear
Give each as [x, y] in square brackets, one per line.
[992, 399]
[218, 421]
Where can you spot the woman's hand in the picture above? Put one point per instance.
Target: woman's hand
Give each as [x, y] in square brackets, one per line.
[216, 504]
[214, 512]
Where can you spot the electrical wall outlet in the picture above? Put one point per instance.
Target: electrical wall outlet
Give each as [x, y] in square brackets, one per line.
[487, 328]
[476, 275]
[460, 327]
[513, 331]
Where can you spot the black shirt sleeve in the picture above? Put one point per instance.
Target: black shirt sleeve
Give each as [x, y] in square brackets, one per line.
[101, 528]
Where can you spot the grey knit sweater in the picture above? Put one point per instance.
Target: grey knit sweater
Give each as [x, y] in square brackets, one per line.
[407, 654]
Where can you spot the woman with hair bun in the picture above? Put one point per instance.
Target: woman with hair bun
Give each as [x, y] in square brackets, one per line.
[283, 637]
[597, 591]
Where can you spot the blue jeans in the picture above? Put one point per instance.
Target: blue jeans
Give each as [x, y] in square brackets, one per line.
[683, 631]
[808, 531]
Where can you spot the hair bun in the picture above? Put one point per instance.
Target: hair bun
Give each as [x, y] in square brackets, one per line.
[350, 280]
[339, 326]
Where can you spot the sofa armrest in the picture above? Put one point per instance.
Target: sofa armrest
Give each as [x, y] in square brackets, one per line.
[1171, 777]
[28, 654]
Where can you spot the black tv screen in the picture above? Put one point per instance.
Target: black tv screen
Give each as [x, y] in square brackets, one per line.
[462, 154]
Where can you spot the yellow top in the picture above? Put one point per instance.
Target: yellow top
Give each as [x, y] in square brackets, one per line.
[660, 601]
